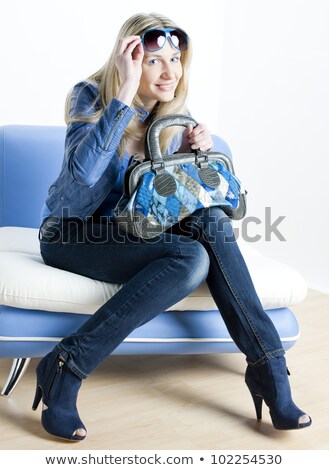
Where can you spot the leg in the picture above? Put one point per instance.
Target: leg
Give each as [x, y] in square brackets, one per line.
[254, 333]
[231, 286]
[155, 275]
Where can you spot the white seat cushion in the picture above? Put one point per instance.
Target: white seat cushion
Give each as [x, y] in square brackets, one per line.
[26, 282]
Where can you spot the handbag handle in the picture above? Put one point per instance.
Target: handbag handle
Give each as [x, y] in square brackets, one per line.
[152, 144]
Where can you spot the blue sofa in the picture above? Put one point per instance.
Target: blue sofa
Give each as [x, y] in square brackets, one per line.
[39, 304]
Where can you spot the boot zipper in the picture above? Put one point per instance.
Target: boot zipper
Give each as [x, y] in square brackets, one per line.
[60, 366]
[59, 369]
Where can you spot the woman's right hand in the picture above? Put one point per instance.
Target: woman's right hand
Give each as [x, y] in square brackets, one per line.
[128, 59]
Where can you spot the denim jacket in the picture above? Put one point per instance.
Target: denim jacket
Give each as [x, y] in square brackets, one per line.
[91, 163]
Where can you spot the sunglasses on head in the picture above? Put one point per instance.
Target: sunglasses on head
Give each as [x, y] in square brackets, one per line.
[154, 39]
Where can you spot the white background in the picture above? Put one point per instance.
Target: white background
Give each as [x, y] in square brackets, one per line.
[259, 79]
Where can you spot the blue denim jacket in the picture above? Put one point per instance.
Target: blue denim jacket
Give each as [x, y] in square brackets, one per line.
[91, 164]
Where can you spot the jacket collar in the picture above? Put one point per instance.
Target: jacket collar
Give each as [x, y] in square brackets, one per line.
[141, 114]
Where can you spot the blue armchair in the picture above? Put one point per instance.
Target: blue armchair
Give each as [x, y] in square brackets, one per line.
[40, 304]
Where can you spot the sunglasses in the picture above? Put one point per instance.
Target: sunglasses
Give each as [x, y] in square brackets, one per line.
[154, 39]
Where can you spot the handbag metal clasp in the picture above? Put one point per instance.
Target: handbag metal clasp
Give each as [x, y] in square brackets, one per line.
[200, 155]
[157, 167]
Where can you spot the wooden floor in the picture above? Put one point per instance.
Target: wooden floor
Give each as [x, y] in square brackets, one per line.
[183, 402]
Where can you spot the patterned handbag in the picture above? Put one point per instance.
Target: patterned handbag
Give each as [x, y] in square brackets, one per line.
[160, 192]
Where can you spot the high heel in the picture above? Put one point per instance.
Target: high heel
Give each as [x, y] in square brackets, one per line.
[37, 398]
[269, 382]
[258, 402]
[58, 388]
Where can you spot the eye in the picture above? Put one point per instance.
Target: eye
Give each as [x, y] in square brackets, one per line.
[175, 59]
[153, 61]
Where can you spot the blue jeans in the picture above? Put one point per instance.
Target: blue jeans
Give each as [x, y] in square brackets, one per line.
[156, 274]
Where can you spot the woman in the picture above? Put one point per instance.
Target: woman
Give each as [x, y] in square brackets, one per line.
[107, 116]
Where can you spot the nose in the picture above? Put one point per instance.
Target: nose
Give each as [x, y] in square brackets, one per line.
[167, 71]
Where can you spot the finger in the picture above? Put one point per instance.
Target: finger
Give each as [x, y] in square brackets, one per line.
[188, 130]
[138, 53]
[199, 137]
[123, 42]
[204, 144]
[131, 46]
[198, 129]
[206, 148]
[203, 148]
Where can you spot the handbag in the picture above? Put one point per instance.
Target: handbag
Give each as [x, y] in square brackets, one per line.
[161, 191]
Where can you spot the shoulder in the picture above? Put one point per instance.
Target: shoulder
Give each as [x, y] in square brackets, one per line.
[84, 98]
[220, 145]
[86, 86]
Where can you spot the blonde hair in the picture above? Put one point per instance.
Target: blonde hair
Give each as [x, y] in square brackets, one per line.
[108, 80]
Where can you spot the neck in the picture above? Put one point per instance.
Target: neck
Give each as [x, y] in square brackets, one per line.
[148, 104]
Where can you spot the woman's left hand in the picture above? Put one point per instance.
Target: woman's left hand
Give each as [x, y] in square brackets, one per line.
[194, 138]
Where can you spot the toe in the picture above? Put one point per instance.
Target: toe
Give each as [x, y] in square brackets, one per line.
[80, 432]
[305, 419]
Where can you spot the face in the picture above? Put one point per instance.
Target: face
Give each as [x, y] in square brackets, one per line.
[161, 72]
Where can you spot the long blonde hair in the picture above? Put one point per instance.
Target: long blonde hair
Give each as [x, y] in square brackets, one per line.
[108, 80]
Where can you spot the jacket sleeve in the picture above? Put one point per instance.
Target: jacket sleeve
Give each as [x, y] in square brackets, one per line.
[89, 147]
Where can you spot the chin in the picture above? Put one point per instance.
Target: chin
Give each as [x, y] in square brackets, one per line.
[167, 100]
[166, 97]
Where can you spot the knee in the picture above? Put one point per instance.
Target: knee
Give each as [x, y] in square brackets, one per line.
[213, 221]
[194, 264]
[211, 215]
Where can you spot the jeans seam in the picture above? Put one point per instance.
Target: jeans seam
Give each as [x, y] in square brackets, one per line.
[72, 365]
[69, 362]
[267, 357]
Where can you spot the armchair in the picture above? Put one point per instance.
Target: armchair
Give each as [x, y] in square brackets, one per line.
[40, 304]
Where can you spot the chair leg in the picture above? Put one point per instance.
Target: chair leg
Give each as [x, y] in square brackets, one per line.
[18, 368]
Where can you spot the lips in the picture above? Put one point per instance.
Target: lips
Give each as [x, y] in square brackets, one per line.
[166, 86]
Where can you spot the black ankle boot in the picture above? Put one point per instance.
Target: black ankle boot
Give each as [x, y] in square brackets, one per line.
[58, 387]
[269, 382]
